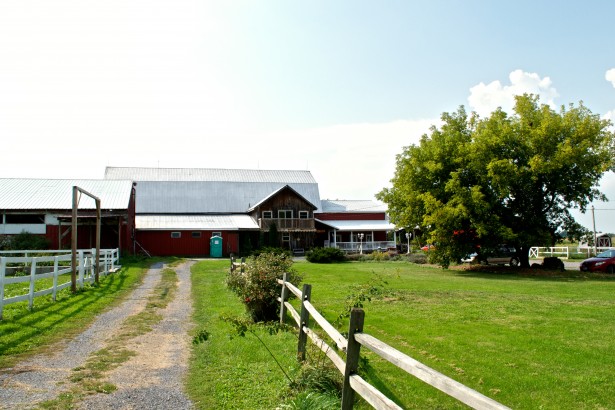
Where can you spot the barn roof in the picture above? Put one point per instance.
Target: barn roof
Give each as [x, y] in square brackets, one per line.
[364, 206]
[39, 194]
[210, 190]
[210, 174]
[211, 197]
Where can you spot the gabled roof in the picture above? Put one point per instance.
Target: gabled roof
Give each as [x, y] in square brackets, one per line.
[206, 197]
[253, 207]
[362, 206]
[210, 174]
[57, 194]
[211, 190]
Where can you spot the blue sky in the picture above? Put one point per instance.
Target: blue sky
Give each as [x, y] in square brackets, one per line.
[334, 87]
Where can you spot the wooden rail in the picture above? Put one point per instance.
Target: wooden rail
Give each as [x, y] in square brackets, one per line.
[58, 265]
[353, 383]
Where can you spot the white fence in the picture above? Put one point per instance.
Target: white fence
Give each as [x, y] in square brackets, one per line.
[54, 267]
[542, 251]
[563, 251]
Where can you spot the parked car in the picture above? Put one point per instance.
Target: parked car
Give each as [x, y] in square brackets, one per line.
[504, 255]
[603, 262]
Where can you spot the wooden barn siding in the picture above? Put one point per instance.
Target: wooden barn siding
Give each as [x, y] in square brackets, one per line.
[354, 216]
[286, 199]
[160, 243]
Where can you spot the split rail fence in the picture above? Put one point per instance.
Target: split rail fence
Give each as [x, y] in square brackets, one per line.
[353, 383]
[50, 266]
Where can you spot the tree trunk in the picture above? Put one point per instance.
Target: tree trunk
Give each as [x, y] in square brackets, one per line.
[523, 253]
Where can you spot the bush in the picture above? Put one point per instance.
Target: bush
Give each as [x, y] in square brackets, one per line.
[258, 287]
[271, 249]
[24, 241]
[325, 255]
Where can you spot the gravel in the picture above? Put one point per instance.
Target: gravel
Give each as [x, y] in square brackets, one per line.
[152, 379]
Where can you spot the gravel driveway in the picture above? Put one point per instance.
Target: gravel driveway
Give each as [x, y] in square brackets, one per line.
[151, 379]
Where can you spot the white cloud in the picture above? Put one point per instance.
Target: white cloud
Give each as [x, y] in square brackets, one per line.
[485, 98]
[610, 76]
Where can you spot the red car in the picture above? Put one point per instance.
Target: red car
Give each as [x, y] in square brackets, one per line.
[603, 262]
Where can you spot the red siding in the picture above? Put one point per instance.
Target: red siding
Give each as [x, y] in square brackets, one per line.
[160, 243]
[354, 216]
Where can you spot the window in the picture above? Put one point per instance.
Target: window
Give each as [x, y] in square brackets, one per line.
[285, 214]
[304, 214]
[176, 235]
[23, 219]
[218, 234]
[267, 214]
[286, 237]
[196, 234]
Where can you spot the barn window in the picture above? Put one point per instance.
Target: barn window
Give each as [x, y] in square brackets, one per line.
[176, 235]
[218, 234]
[304, 214]
[196, 234]
[286, 237]
[267, 214]
[285, 213]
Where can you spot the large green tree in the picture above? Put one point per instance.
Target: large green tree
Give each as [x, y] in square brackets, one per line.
[479, 182]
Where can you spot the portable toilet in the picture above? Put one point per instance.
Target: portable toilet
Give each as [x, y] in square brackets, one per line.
[215, 247]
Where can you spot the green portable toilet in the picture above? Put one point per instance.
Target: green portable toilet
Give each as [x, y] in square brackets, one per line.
[215, 247]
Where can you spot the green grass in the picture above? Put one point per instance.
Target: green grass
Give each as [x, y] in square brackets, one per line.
[528, 342]
[24, 332]
[228, 371]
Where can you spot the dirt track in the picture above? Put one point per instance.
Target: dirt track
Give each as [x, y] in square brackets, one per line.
[152, 379]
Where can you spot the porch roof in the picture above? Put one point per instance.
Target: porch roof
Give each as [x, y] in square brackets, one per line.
[359, 225]
[195, 222]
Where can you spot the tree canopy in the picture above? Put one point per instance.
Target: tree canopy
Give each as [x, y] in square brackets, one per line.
[479, 182]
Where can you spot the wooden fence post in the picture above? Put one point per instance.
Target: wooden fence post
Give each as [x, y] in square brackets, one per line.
[283, 297]
[243, 264]
[2, 276]
[32, 280]
[304, 320]
[357, 317]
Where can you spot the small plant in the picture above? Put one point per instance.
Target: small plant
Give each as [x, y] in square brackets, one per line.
[325, 255]
[200, 337]
[258, 287]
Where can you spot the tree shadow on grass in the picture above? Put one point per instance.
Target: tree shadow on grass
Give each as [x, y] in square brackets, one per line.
[538, 274]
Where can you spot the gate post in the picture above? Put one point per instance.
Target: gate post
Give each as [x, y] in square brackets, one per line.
[357, 317]
[304, 320]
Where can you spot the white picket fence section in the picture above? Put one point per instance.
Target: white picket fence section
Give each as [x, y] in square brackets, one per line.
[86, 260]
[542, 251]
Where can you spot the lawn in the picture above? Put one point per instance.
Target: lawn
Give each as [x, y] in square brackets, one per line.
[528, 342]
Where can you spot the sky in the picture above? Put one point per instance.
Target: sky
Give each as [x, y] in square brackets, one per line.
[334, 87]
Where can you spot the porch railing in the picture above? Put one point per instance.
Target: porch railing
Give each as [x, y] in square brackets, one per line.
[287, 224]
[366, 246]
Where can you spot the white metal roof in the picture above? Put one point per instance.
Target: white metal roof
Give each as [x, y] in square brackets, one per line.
[209, 174]
[195, 222]
[210, 197]
[33, 194]
[337, 205]
[380, 225]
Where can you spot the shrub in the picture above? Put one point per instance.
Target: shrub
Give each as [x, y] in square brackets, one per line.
[271, 249]
[258, 287]
[325, 255]
[24, 241]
